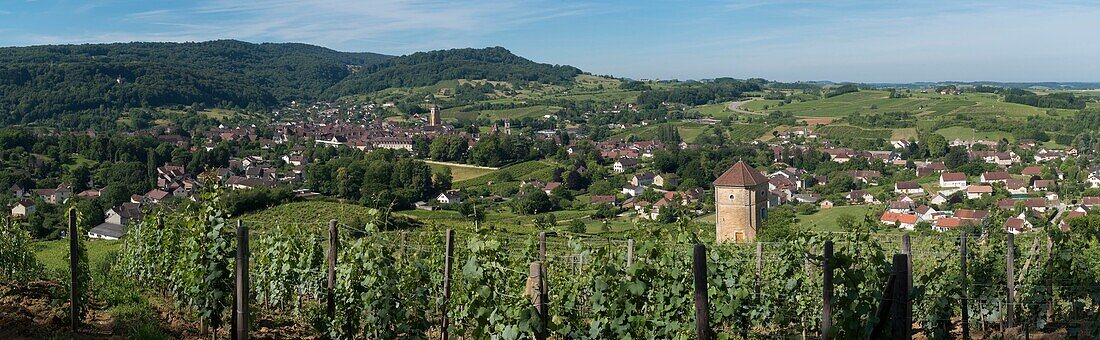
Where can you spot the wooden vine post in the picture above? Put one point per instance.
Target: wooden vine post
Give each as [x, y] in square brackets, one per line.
[448, 262]
[964, 283]
[629, 252]
[827, 291]
[900, 324]
[702, 303]
[907, 249]
[241, 320]
[1010, 268]
[333, 244]
[540, 299]
[74, 271]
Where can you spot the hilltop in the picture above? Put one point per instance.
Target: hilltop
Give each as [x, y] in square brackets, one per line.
[96, 81]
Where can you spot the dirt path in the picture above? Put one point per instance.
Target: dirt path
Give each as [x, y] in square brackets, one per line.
[736, 107]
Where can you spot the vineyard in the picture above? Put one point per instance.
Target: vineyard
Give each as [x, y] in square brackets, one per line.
[366, 282]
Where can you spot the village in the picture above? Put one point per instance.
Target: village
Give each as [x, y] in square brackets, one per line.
[905, 193]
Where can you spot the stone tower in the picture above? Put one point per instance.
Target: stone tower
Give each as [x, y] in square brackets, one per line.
[740, 203]
[433, 117]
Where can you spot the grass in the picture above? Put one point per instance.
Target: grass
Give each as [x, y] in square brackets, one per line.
[54, 254]
[541, 170]
[848, 131]
[826, 219]
[718, 110]
[461, 172]
[688, 131]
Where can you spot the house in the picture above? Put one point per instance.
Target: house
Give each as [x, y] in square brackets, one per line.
[1017, 225]
[156, 195]
[952, 180]
[18, 192]
[1044, 185]
[947, 223]
[976, 217]
[977, 191]
[450, 197]
[901, 206]
[927, 213]
[624, 164]
[549, 187]
[931, 168]
[1090, 202]
[908, 188]
[995, 177]
[642, 179]
[903, 221]
[633, 191]
[865, 176]
[23, 208]
[860, 196]
[826, 204]
[1016, 186]
[666, 181]
[117, 218]
[940, 198]
[1033, 170]
[657, 207]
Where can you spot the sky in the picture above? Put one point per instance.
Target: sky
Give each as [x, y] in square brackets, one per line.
[837, 40]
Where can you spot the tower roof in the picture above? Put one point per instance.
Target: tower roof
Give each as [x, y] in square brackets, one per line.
[740, 175]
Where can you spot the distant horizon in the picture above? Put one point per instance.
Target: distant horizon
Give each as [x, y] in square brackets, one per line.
[786, 40]
[1097, 82]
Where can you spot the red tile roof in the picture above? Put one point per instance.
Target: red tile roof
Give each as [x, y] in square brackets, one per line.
[740, 175]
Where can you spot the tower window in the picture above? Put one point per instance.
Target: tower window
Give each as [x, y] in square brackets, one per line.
[732, 196]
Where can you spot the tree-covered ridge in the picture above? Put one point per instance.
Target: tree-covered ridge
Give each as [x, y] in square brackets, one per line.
[41, 82]
[427, 68]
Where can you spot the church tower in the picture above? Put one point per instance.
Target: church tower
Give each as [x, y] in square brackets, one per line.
[434, 118]
[740, 203]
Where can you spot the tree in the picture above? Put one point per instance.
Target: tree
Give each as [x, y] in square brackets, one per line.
[531, 200]
[545, 221]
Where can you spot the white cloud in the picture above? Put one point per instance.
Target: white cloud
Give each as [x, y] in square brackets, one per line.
[400, 26]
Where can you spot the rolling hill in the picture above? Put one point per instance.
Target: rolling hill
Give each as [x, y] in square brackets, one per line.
[96, 81]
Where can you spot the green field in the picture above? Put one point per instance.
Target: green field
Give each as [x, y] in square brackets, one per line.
[461, 172]
[54, 254]
[825, 219]
[965, 133]
[688, 131]
[717, 110]
[541, 170]
[848, 131]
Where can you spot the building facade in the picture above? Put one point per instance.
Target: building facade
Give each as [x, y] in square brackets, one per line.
[740, 203]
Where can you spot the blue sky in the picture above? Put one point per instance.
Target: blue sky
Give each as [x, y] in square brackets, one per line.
[867, 41]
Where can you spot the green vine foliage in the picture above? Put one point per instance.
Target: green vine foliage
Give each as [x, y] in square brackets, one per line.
[188, 254]
[388, 284]
[17, 255]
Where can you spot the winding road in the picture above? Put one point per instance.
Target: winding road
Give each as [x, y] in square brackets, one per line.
[736, 107]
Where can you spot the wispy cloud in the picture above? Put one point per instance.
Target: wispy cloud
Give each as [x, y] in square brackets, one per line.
[339, 23]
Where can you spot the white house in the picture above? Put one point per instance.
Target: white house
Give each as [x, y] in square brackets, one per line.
[977, 191]
[449, 198]
[952, 180]
[624, 164]
[23, 208]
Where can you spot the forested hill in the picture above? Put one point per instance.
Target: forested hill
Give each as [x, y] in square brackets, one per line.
[97, 81]
[426, 68]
